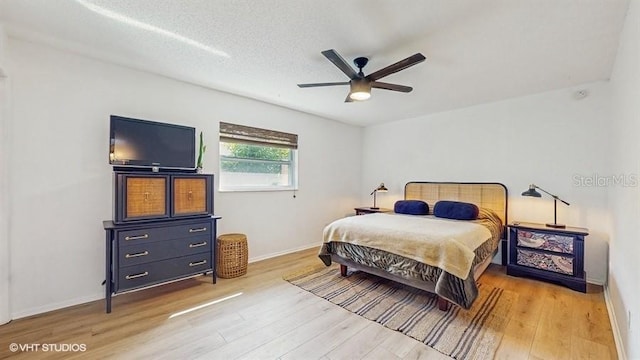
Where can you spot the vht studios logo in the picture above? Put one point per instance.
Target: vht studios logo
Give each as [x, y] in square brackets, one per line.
[47, 347]
[597, 180]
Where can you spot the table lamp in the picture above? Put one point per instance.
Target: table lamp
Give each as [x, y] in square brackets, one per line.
[380, 188]
[532, 192]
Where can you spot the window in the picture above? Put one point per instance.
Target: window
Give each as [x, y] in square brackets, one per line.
[257, 159]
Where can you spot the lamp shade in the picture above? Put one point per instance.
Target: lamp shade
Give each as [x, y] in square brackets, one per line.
[532, 192]
[360, 89]
[382, 188]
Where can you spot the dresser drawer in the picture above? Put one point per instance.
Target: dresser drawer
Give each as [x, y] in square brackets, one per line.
[153, 234]
[545, 241]
[132, 277]
[154, 251]
[557, 263]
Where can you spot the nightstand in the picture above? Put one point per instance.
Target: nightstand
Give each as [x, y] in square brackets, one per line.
[368, 210]
[551, 254]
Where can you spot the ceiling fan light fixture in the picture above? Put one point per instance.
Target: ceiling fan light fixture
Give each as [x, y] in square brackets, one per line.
[360, 90]
[360, 95]
[361, 84]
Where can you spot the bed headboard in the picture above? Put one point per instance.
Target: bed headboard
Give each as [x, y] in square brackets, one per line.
[491, 196]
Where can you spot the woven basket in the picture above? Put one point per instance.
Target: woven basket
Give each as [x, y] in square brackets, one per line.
[232, 255]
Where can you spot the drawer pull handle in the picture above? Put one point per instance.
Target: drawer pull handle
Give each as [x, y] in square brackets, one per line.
[137, 237]
[131, 277]
[198, 230]
[129, 256]
[198, 263]
[198, 244]
[190, 195]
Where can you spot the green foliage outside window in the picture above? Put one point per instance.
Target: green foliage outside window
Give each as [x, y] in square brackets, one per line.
[270, 159]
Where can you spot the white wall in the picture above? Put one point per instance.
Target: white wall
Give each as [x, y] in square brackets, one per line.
[4, 198]
[624, 287]
[546, 139]
[61, 181]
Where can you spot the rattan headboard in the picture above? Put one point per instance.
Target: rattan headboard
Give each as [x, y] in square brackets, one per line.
[491, 196]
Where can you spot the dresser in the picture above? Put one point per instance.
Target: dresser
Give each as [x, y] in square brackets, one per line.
[163, 229]
[550, 254]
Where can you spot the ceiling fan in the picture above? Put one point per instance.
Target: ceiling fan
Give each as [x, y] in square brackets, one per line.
[360, 84]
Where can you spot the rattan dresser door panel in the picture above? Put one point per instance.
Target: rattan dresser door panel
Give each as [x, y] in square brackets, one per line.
[146, 197]
[190, 196]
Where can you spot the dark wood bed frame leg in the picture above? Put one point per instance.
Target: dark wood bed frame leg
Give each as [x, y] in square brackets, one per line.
[343, 270]
[443, 304]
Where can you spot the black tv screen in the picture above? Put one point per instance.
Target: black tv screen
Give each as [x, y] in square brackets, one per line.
[143, 143]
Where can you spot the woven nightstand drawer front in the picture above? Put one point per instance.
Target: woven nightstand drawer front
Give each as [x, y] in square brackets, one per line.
[556, 263]
[545, 241]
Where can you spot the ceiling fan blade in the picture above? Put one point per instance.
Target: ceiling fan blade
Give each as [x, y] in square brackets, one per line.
[323, 84]
[338, 61]
[348, 99]
[394, 87]
[394, 68]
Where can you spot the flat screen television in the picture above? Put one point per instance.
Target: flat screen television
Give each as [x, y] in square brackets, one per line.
[150, 144]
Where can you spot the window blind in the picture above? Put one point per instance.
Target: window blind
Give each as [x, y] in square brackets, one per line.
[252, 135]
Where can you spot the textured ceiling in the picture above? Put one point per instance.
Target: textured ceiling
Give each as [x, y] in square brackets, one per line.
[477, 51]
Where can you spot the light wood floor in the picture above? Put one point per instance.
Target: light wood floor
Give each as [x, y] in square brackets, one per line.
[273, 319]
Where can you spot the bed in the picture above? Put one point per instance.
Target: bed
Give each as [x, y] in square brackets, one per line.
[389, 245]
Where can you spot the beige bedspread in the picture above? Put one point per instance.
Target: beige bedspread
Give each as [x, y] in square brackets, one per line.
[446, 244]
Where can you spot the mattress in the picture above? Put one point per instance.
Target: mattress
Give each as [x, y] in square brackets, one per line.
[461, 290]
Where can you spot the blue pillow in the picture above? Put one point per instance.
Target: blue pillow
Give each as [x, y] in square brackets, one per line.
[411, 207]
[456, 210]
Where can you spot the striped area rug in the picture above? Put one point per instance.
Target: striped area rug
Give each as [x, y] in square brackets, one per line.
[458, 333]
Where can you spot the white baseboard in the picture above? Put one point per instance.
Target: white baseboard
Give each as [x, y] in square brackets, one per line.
[595, 281]
[284, 252]
[56, 306]
[614, 324]
[90, 298]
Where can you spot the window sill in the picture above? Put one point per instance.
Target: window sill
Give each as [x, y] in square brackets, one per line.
[256, 189]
